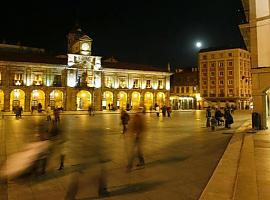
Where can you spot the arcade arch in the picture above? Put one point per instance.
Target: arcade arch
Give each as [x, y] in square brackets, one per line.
[56, 99]
[83, 100]
[135, 100]
[17, 98]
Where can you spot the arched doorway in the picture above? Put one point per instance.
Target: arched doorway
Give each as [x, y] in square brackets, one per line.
[37, 100]
[160, 99]
[1, 100]
[135, 100]
[148, 100]
[56, 99]
[107, 102]
[122, 100]
[17, 98]
[83, 100]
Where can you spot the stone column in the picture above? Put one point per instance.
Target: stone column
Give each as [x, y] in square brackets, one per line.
[47, 97]
[27, 100]
[7, 106]
[98, 99]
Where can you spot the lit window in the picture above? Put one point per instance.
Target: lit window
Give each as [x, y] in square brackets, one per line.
[213, 64]
[221, 73]
[221, 64]
[160, 84]
[221, 82]
[37, 79]
[230, 63]
[230, 72]
[136, 83]
[182, 90]
[108, 82]
[230, 82]
[122, 83]
[148, 84]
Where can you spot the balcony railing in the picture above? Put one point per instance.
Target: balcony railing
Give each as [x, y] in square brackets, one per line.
[17, 82]
[38, 83]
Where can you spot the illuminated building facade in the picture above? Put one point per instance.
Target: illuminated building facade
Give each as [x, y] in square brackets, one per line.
[185, 89]
[77, 80]
[255, 31]
[225, 77]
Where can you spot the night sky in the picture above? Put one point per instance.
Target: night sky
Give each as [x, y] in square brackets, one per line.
[149, 32]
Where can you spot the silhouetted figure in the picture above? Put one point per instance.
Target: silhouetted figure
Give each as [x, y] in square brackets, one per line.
[124, 120]
[136, 133]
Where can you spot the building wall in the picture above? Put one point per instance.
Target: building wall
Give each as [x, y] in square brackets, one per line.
[33, 83]
[225, 77]
[258, 29]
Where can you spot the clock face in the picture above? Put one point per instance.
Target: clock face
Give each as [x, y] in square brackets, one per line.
[85, 46]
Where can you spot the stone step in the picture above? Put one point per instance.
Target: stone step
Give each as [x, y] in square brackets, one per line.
[246, 184]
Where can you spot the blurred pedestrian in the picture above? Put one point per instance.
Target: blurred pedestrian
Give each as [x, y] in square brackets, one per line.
[56, 113]
[157, 110]
[164, 110]
[208, 116]
[49, 113]
[136, 133]
[213, 123]
[124, 120]
[169, 111]
[90, 110]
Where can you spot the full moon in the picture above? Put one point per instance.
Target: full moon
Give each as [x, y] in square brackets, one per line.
[198, 44]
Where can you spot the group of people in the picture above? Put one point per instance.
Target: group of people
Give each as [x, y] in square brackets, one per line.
[18, 111]
[215, 117]
[164, 109]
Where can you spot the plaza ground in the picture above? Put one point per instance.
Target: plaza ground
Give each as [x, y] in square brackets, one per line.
[181, 155]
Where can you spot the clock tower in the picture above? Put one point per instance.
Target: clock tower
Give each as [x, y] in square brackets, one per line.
[79, 42]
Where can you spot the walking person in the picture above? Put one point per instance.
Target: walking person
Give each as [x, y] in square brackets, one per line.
[169, 111]
[124, 120]
[164, 110]
[137, 133]
[157, 110]
[49, 113]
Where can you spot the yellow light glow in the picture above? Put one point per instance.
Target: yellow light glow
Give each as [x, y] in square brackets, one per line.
[121, 95]
[107, 95]
[198, 96]
[56, 94]
[83, 94]
[135, 95]
[16, 94]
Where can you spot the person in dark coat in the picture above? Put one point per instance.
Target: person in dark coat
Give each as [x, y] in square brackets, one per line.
[124, 120]
[228, 117]
[218, 116]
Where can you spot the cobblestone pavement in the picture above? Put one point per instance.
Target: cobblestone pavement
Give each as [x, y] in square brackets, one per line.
[180, 153]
